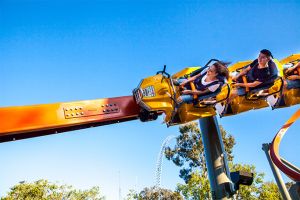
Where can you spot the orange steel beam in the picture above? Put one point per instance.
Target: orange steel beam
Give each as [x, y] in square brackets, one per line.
[22, 122]
[274, 150]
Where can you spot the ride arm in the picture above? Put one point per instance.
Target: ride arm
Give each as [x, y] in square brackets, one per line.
[20, 122]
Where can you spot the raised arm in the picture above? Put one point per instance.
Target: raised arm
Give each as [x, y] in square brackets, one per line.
[294, 67]
[242, 73]
[190, 79]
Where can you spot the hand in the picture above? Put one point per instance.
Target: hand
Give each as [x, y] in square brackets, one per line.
[187, 92]
[293, 77]
[234, 78]
[183, 83]
[288, 70]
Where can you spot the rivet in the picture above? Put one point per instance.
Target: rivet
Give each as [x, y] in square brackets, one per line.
[106, 105]
[110, 105]
[67, 115]
[80, 108]
[82, 113]
[77, 113]
[66, 109]
[75, 108]
[70, 109]
[102, 105]
[72, 114]
[104, 110]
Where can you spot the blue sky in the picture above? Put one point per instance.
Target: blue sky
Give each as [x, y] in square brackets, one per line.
[58, 51]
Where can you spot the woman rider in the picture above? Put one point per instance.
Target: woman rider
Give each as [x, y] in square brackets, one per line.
[206, 82]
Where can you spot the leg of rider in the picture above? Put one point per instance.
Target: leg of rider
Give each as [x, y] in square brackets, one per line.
[292, 84]
[285, 84]
[232, 95]
[184, 99]
[274, 101]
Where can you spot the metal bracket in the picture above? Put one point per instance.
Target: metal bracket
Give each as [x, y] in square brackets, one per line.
[91, 110]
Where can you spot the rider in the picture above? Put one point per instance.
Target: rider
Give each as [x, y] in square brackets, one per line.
[261, 72]
[206, 82]
[292, 76]
[291, 81]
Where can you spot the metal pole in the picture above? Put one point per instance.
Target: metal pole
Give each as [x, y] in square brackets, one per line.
[216, 159]
[282, 188]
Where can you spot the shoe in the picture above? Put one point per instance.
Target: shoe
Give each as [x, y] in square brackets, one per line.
[277, 102]
[220, 108]
[227, 110]
[272, 101]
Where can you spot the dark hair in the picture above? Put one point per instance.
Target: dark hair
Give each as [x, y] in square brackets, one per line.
[221, 68]
[266, 52]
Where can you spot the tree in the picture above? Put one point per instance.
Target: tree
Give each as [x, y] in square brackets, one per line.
[44, 190]
[188, 153]
[252, 191]
[132, 195]
[269, 190]
[197, 187]
[154, 193]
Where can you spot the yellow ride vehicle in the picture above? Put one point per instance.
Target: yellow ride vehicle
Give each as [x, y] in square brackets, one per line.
[289, 97]
[257, 97]
[272, 94]
[158, 94]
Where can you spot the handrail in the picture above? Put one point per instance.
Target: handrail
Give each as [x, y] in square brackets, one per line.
[265, 96]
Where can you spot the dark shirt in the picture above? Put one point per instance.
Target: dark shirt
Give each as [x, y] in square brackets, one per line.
[262, 74]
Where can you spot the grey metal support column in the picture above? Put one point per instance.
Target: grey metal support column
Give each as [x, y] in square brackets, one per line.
[295, 191]
[282, 188]
[216, 159]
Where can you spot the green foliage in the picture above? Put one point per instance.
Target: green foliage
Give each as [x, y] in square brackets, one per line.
[252, 191]
[188, 153]
[269, 190]
[44, 190]
[197, 188]
[154, 193]
[132, 195]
